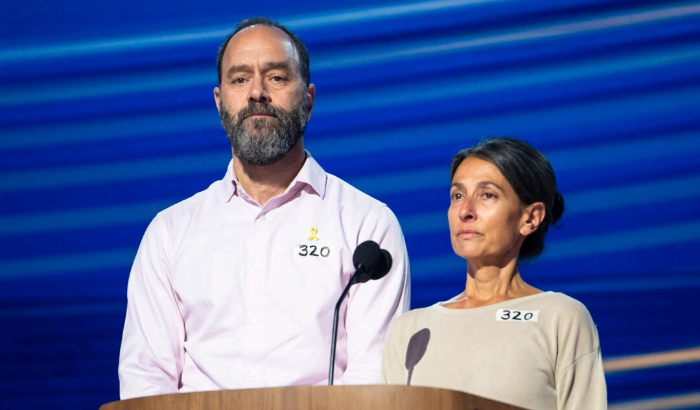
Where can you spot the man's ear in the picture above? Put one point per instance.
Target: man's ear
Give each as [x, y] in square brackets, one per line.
[310, 95]
[533, 215]
[217, 98]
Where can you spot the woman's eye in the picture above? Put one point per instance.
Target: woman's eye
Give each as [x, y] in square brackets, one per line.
[489, 195]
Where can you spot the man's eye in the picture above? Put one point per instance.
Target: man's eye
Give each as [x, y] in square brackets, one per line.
[489, 195]
[239, 80]
[278, 79]
[456, 196]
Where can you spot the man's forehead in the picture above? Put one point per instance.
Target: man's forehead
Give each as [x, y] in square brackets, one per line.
[260, 35]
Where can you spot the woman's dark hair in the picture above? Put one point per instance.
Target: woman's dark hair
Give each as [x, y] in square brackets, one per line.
[529, 173]
[264, 21]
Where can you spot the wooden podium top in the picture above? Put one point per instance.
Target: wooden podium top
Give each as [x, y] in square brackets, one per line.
[374, 397]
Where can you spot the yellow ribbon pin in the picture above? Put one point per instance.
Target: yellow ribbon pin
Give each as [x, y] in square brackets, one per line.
[313, 236]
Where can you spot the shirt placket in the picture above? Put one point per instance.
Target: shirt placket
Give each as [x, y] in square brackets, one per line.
[257, 264]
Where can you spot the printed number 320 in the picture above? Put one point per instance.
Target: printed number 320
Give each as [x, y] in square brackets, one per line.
[503, 315]
[313, 250]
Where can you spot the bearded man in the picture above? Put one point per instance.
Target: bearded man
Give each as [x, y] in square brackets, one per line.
[235, 287]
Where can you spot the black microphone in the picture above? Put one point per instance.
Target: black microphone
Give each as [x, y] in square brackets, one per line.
[371, 262]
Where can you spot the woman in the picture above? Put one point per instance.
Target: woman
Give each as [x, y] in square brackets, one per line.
[501, 338]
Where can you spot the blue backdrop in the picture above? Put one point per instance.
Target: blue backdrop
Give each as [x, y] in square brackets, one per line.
[107, 117]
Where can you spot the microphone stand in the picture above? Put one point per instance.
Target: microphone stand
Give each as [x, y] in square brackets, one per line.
[334, 335]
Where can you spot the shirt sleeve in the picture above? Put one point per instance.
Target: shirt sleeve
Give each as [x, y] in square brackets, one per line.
[393, 366]
[582, 385]
[150, 359]
[580, 378]
[372, 306]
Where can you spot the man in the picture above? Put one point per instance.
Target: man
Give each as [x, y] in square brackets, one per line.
[235, 287]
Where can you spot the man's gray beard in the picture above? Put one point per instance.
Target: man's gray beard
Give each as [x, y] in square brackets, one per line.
[264, 141]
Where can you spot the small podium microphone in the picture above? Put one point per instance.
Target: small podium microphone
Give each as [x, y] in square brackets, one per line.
[371, 262]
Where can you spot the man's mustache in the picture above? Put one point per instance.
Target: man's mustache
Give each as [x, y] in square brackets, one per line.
[256, 108]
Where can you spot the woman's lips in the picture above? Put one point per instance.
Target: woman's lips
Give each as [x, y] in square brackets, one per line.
[468, 233]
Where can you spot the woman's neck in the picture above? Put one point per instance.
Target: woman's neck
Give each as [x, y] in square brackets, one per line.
[489, 284]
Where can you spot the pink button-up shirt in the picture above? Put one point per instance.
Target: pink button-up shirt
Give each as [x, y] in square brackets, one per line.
[226, 294]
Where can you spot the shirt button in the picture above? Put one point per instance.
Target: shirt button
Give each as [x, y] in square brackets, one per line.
[251, 373]
[254, 319]
[262, 217]
[256, 265]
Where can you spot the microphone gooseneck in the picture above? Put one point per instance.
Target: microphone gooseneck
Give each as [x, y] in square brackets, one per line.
[371, 263]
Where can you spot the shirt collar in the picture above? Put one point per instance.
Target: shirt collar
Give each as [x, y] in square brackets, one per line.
[311, 175]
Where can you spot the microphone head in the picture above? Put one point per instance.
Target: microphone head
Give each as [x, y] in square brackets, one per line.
[383, 269]
[371, 262]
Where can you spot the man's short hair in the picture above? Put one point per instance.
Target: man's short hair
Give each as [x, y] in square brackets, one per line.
[299, 46]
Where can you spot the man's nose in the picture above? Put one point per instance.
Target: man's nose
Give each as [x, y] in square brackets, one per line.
[258, 91]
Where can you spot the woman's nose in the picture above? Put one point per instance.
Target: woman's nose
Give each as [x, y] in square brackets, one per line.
[467, 211]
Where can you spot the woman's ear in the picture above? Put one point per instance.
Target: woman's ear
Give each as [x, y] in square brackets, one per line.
[533, 215]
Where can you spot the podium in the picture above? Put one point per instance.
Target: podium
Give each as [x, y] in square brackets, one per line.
[370, 397]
